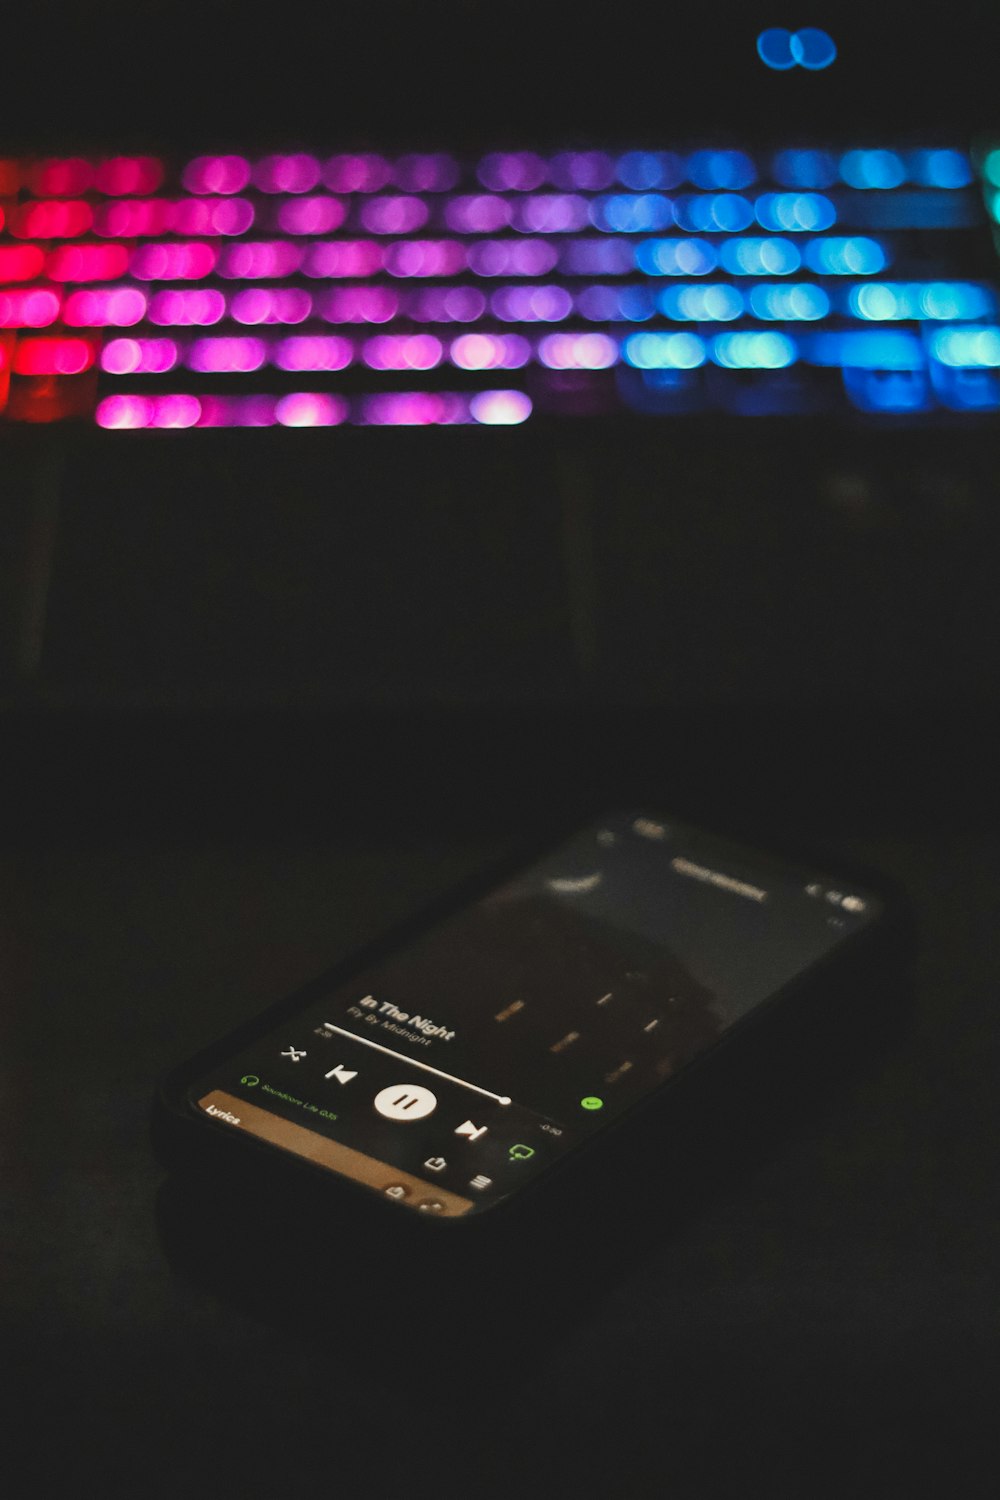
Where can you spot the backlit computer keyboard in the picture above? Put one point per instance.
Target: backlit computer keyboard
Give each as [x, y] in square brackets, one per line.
[306, 291]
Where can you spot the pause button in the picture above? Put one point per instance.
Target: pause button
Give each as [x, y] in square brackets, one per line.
[405, 1101]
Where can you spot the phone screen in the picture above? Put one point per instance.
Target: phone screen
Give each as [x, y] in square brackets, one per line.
[449, 1074]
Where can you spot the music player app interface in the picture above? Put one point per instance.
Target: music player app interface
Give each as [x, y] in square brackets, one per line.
[450, 1073]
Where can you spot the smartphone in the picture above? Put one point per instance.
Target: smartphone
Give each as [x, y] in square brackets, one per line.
[459, 1068]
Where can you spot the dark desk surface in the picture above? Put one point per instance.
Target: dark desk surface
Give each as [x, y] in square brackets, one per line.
[826, 1322]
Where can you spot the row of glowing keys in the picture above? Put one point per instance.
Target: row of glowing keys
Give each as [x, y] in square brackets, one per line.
[336, 260]
[401, 213]
[691, 302]
[511, 171]
[976, 346]
[902, 389]
[491, 408]
[785, 212]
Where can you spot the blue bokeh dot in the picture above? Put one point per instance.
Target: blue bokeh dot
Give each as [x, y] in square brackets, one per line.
[774, 47]
[812, 48]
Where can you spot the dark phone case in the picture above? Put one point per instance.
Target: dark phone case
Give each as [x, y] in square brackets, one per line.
[847, 991]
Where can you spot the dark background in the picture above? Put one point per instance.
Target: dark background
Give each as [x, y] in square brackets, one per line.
[264, 694]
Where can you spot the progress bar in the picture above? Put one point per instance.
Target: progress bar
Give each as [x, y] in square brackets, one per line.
[377, 1046]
